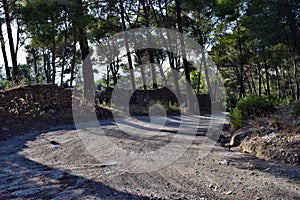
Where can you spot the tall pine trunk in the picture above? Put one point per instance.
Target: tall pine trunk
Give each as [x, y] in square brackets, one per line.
[11, 42]
[242, 87]
[73, 63]
[87, 69]
[36, 73]
[132, 78]
[189, 92]
[7, 71]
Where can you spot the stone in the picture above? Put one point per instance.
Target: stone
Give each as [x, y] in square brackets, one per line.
[224, 162]
[229, 192]
[237, 138]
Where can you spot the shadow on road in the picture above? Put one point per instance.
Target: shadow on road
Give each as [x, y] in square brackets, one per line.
[24, 178]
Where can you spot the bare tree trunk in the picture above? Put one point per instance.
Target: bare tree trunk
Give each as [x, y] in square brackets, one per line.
[199, 77]
[146, 9]
[139, 60]
[127, 47]
[7, 71]
[252, 81]
[278, 82]
[291, 84]
[283, 88]
[63, 64]
[64, 52]
[267, 75]
[296, 82]
[11, 42]
[73, 61]
[47, 66]
[185, 62]
[53, 55]
[259, 79]
[107, 75]
[161, 71]
[206, 73]
[36, 73]
[248, 82]
[242, 88]
[87, 69]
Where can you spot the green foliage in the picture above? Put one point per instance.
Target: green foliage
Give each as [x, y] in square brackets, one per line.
[3, 84]
[235, 119]
[231, 101]
[249, 107]
[281, 102]
[296, 109]
[253, 106]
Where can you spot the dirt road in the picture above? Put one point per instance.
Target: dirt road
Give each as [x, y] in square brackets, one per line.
[57, 165]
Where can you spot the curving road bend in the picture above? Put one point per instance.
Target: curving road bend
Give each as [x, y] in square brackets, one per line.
[58, 164]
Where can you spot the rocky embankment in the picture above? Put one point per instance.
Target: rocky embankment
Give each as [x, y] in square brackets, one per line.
[274, 137]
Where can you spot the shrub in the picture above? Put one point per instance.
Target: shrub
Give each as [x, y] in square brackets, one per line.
[231, 102]
[296, 109]
[235, 118]
[2, 84]
[253, 106]
[249, 107]
[282, 102]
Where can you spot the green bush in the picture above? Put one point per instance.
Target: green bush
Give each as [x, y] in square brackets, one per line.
[235, 118]
[253, 106]
[231, 102]
[249, 107]
[2, 84]
[281, 102]
[296, 109]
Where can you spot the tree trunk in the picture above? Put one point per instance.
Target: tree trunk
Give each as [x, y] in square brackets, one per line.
[161, 71]
[150, 51]
[64, 52]
[267, 75]
[87, 69]
[107, 75]
[46, 66]
[296, 82]
[7, 71]
[142, 68]
[259, 79]
[291, 84]
[278, 82]
[11, 42]
[189, 92]
[133, 86]
[284, 92]
[36, 73]
[73, 60]
[53, 55]
[242, 88]
[175, 74]
[252, 81]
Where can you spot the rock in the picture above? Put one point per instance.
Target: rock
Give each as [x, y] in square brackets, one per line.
[237, 138]
[224, 162]
[109, 164]
[229, 192]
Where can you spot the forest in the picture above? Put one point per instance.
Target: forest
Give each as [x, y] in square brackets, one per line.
[254, 44]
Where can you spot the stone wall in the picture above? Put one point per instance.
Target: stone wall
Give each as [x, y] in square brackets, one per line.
[30, 107]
